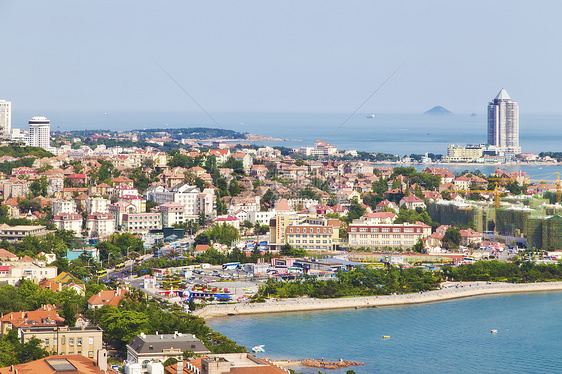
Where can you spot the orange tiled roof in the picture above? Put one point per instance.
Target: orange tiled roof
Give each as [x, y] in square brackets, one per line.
[44, 316]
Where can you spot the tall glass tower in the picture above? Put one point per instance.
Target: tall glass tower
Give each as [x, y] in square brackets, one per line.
[503, 124]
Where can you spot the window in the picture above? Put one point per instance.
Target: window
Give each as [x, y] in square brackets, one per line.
[91, 340]
[71, 341]
[55, 342]
[63, 341]
[91, 354]
[46, 341]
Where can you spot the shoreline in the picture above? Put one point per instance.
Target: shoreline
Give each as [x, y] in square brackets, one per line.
[448, 291]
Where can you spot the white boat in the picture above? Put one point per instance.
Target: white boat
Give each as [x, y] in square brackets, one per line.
[493, 331]
[371, 116]
[258, 348]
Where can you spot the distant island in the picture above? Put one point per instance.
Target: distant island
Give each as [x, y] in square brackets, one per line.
[438, 111]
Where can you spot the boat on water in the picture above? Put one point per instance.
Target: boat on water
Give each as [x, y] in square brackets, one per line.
[258, 348]
[386, 336]
[494, 331]
[371, 116]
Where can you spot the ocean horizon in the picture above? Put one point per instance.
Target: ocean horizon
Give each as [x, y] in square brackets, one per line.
[399, 134]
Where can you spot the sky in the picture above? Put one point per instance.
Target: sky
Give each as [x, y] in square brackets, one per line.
[309, 56]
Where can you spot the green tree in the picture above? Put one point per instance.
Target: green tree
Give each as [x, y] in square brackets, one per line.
[452, 238]
[234, 188]
[69, 314]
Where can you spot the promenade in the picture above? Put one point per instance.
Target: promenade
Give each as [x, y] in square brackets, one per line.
[448, 291]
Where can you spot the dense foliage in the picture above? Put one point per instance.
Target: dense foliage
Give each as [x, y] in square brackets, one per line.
[136, 315]
[504, 271]
[359, 282]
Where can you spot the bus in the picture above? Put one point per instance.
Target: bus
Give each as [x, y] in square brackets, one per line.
[120, 266]
[138, 261]
[231, 266]
[101, 273]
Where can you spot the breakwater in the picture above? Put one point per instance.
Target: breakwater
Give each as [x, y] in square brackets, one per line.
[448, 291]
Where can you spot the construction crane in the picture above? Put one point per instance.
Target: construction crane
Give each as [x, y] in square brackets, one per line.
[496, 192]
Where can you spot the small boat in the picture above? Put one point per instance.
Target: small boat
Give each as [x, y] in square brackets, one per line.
[386, 336]
[494, 331]
[258, 348]
[371, 116]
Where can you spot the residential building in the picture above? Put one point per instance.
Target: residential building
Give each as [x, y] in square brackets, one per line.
[457, 153]
[7, 255]
[96, 204]
[64, 340]
[39, 133]
[5, 118]
[46, 316]
[503, 124]
[172, 213]
[160, 347]
[384, 235]
[16, 233]
[64, 206]
[108, 297]
[412, 202]
[26, 268]
[312, 235]
[100, 225]
[138, 222]
[69, 221]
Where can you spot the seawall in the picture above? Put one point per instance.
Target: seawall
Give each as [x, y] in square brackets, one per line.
[450, 291]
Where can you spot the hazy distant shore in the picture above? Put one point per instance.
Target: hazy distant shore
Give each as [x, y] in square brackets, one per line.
[449, 291]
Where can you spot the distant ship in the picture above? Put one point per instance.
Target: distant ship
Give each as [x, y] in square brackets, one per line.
[371, 116]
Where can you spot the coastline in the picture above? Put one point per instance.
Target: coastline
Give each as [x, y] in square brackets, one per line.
[448, 291]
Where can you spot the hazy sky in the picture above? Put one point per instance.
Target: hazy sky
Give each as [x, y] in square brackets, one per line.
[279, 56]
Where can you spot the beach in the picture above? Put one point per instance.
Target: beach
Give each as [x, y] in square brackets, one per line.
[448, 291]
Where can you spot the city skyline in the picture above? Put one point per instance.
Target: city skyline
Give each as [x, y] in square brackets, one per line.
[270, 57]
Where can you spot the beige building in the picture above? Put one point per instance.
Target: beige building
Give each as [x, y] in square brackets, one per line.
[64, 340]
[313, 234]
[15, 233]
[457, 153]
[384, 235]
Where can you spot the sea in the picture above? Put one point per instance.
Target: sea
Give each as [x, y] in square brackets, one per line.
[398, 134]
[443, 337]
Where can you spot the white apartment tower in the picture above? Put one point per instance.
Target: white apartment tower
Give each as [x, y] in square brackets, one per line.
[5, 118]
[503, 124]
[39, 132]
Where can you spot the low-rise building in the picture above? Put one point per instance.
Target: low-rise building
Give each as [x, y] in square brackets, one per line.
[142, 222]
[17, 233]
[225, 363]
[46, 316]
[160, 347]
[64, 340]
[384, 235]
[108, 297]
[69, 221]
[100, 225]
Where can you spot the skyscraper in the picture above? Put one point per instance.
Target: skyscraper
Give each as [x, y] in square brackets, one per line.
[5, 117]
[503, 124]
[39, 132]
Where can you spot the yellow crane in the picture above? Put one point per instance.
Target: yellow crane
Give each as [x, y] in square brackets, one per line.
[496, 192]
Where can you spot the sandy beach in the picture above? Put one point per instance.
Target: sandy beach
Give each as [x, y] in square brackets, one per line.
[448, 291]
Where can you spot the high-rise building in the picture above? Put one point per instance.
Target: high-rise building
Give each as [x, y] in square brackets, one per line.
[5, 117]
[503, 124]
[39, 132]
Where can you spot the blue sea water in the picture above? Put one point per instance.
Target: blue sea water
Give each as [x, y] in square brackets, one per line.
[444, 337]
[388, 133]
